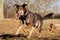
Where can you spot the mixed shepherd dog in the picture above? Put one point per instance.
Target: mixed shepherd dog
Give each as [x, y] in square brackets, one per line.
[27, 17]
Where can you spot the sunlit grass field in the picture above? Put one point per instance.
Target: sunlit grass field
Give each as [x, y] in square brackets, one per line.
[10, 26]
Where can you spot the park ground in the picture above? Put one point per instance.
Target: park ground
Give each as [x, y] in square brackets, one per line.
[10, 26]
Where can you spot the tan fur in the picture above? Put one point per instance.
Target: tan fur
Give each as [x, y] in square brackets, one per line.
[20, 10]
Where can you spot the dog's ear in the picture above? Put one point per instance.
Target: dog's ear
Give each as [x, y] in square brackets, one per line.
[49, 16]
[24, 5]
[14, 5]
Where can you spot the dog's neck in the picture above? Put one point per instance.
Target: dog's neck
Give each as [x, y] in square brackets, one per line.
[26, 13]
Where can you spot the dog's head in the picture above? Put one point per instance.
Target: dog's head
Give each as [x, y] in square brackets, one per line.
[19, 10]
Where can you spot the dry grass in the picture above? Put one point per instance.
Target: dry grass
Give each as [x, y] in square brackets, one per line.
[9, 26]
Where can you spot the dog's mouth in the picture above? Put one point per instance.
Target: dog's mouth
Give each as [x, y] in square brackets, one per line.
[19, 15]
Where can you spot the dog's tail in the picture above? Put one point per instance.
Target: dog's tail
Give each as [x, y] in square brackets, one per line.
[48, 16]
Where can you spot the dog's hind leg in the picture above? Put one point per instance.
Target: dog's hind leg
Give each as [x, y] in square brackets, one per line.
[17, 32]
[31, 32]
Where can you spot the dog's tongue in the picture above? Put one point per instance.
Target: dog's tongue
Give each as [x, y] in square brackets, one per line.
[19, 15]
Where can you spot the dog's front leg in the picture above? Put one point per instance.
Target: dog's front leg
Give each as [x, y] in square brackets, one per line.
[31, 32]
[20, 27]
[24, 22]
[17, 32]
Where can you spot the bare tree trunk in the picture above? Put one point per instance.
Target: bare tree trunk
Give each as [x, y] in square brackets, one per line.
[47, 5]
[16, 1]
[1, 9]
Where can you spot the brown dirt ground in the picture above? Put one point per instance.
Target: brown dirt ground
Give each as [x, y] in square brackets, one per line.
[9, 26]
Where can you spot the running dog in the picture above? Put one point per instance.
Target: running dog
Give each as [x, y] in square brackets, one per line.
[28, 17]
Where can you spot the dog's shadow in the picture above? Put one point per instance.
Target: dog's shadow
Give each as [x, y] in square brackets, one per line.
[5, 36]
